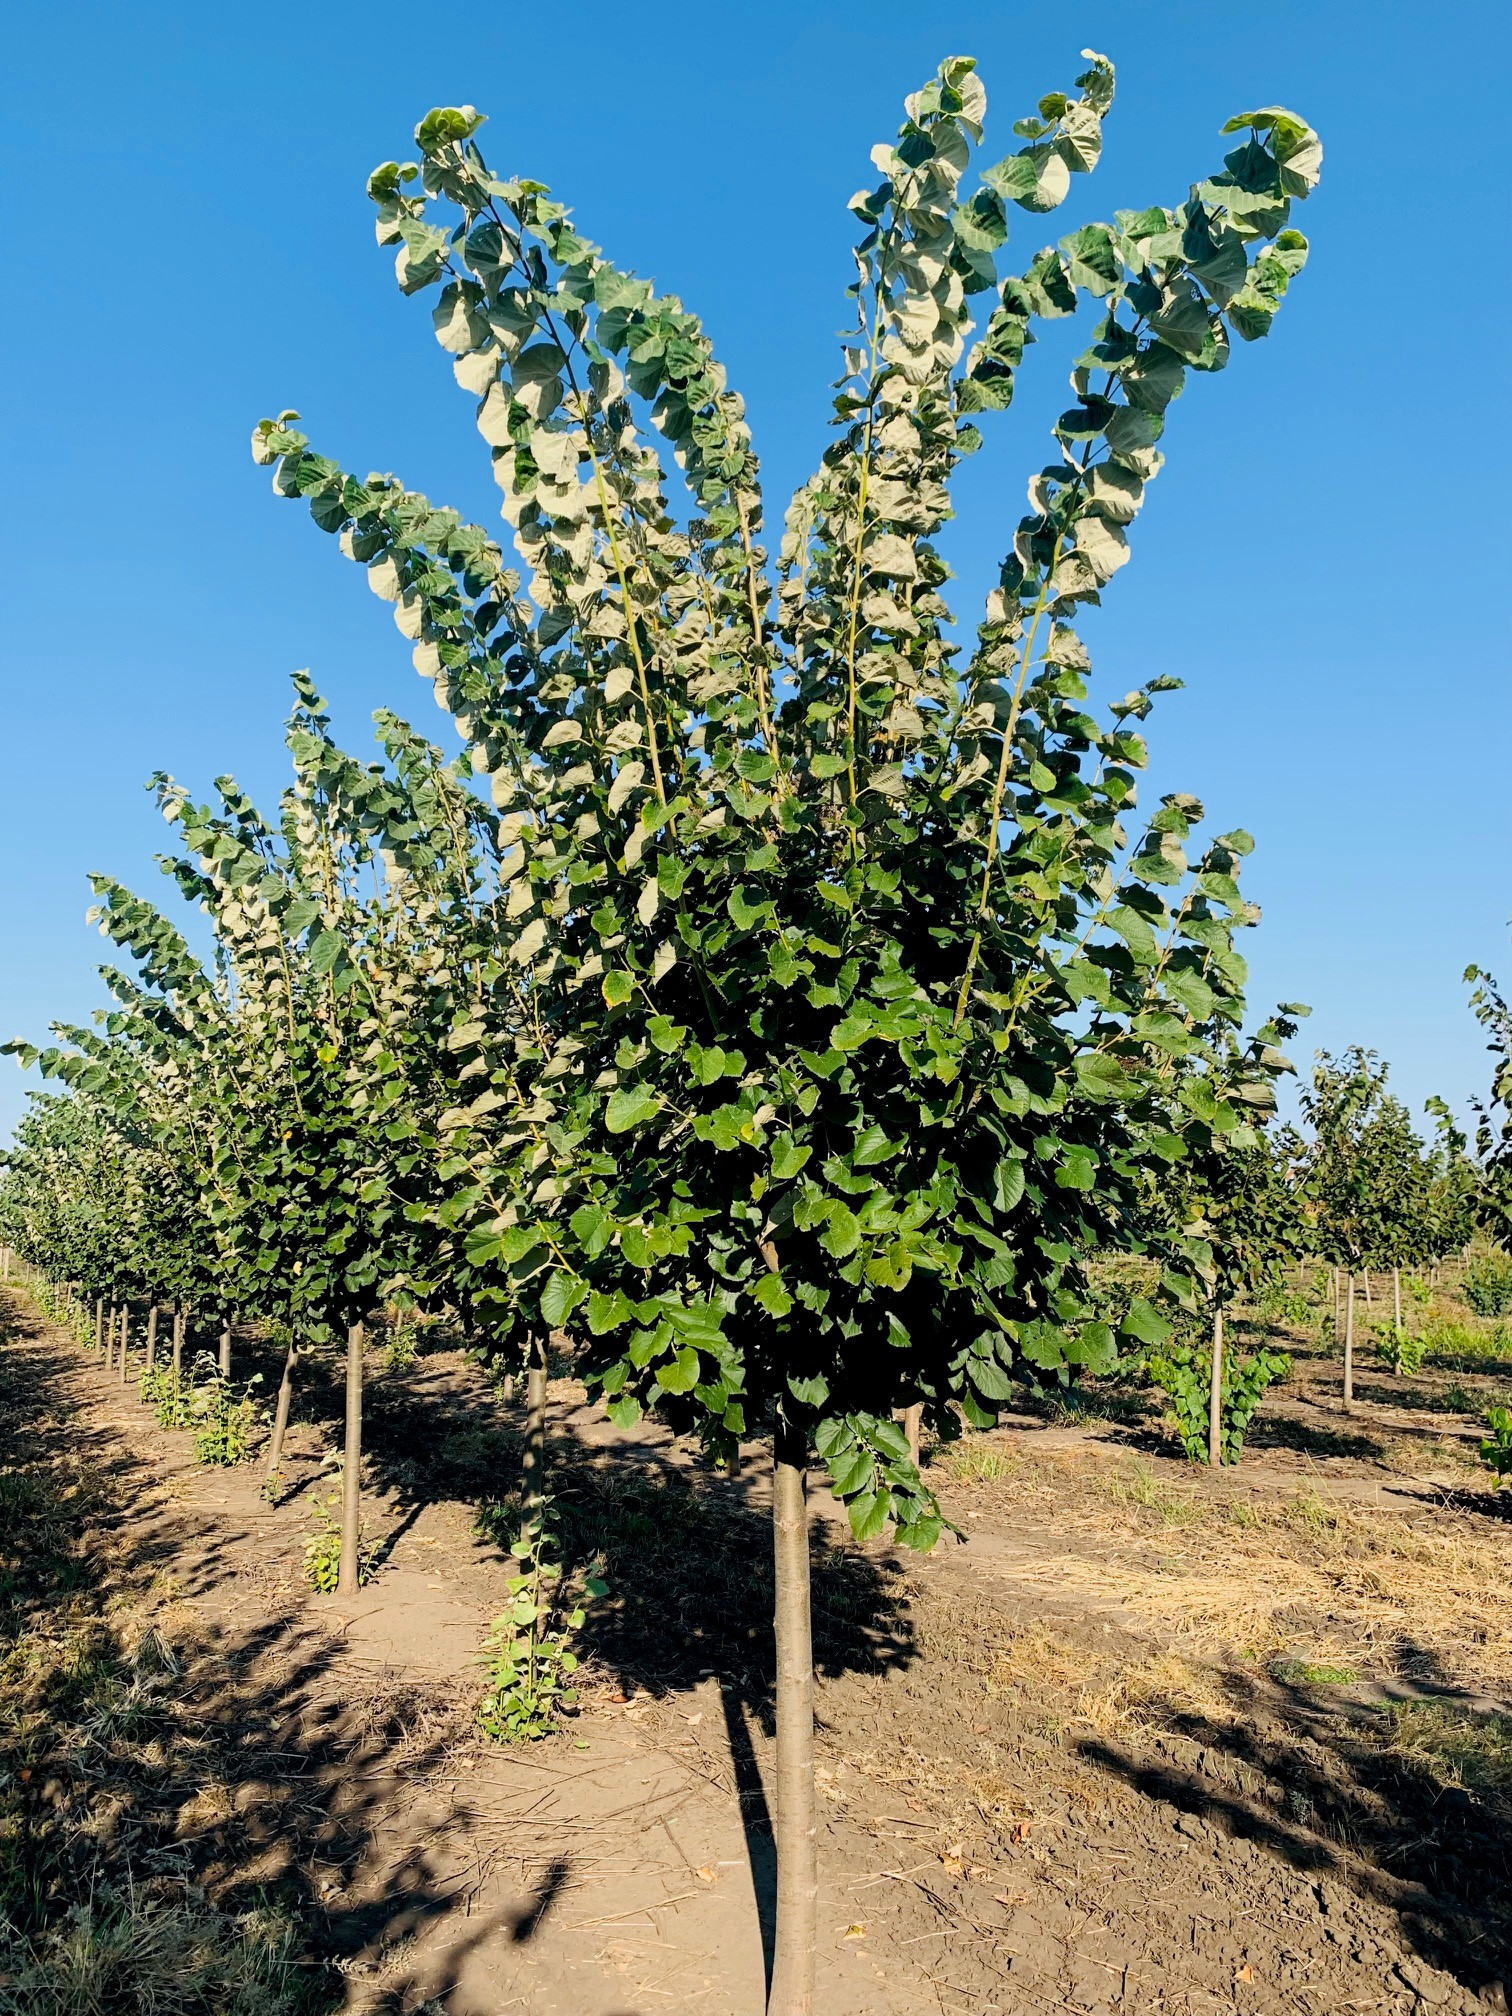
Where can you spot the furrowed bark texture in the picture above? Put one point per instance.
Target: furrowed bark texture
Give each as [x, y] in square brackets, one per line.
[792, 1991]
[1215, 1392]
[351, 1475]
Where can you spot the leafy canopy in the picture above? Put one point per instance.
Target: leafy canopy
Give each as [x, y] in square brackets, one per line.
[837, 995]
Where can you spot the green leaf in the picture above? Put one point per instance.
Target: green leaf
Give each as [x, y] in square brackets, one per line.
[772, 1296]
[842, 1234]
[679, 1374]
[630, 1106]
[868, 1513]
[561, 1295]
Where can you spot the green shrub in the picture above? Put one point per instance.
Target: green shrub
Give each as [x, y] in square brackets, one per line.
[1402, 1352]
[1488, 1284]
[1183, 1375]
[1496, 1449]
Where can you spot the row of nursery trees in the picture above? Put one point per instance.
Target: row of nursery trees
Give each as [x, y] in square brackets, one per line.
[806, 998]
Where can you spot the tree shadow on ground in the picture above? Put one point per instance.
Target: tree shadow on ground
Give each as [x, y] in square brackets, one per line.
[1348, 1787]
[1304, 1438]
[246, 1766]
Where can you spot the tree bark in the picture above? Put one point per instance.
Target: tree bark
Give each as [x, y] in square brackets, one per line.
[1349, 1346]
[125, 1340]
[1396, 1296]
[225, 1349]
[1365, 1272]
[348, 1579]
[110, 1332]
[281, 1411]
[533, 1458]
[792, 1990]
[1215, 1392]
[152, 1323]
[178, 1345]
[1336, 1304]
[99, 1323]
[913, 1428]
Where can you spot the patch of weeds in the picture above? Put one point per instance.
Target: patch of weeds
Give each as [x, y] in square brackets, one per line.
[528, 1661]
[975, 1461]
[1312, 1673]
[322, 1554]
[1135, 1486]
[225, 1419]
[166, 1396]
[119, 1950]
[1454, 1745]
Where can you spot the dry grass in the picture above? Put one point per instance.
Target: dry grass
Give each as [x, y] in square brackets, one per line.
[1223, 1575]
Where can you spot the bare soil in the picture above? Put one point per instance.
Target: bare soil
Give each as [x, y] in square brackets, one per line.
[1145, 1739]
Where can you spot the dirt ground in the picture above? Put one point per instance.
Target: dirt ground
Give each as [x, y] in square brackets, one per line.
[1145, 1740]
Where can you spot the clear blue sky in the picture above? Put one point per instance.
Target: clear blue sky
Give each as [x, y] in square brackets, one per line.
[1323, 559]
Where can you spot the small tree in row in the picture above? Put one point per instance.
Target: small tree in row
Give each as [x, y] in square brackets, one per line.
[846, 999]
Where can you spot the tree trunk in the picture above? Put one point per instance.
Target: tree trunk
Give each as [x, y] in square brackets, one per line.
[281, 1412]
[1396, 1296]
[351, 1475]
[111, 1316]
[792, 1991]
[1349, 1346]
[178, 1345]
[913, 1428]
[152, 1322]
[225, 1349]
[99, 1323]
[533, 1459]
[1365, 1271]
[125, 1341]
[1215, 1392]
[1336, 1304]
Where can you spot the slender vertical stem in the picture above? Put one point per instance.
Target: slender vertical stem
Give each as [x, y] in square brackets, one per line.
[533, 1459]
[281, 1412]
[351, 1474]
[225, 1349]
[125, 1340]
[792, 1990]
[152, 1323]
[178, 1346]
[1215, 1392]
[1349, 1345]
[1396, 1296]
[1365, 1271]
